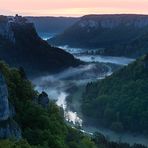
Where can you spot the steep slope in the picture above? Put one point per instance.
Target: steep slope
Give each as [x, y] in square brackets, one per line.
[21, 46]
[120, 101]
[41, 121]
[135, 48]
[8, 127]
[109, 33]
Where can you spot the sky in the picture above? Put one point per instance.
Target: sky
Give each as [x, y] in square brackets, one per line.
[71, 7]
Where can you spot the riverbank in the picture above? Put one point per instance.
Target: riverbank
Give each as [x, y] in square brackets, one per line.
[71, 83]
[89, 126]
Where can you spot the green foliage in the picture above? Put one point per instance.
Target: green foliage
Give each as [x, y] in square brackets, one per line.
[118, 40]
[76, 139]
[120, 101]
[102, 142]
[14, 144]
[134, 48]
[41, 127]
[19, 89]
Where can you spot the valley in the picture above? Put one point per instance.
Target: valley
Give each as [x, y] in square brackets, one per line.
[114, 34]
[67, 88]
[74, 82]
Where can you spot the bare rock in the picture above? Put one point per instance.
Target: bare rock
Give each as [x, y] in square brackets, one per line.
[8, 127]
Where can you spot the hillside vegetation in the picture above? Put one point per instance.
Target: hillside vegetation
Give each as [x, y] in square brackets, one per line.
[114, 35]
[41, 127]
[120, 101]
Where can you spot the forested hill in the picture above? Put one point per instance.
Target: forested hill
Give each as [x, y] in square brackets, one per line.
[20, 45]
[31, 120]
[112, 34]
[120, 101]
[134, 48]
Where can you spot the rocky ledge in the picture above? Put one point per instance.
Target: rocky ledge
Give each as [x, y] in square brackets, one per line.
[8, 127]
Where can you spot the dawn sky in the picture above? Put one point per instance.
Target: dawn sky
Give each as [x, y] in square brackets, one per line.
[71, 7]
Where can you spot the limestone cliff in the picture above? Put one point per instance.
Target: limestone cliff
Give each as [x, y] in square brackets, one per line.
[4, 104]
[8, 127]
[20, 46]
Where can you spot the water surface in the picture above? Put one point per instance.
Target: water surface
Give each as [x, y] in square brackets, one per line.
[57, 85]
[46, 36]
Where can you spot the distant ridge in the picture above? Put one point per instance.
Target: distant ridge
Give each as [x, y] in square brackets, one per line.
[109, 33]
[52, 24]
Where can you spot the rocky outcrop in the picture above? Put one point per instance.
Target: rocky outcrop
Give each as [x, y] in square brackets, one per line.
[26, 49]
[6, 24]
[113, 21]
[4, 104]
[43, 100]
[8, 127]
[5, 29]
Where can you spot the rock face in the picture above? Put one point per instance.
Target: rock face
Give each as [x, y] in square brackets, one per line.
[5, 29]
[43, 100]
[4, 104]
[8, 127]
[20, 46]
[113, 21]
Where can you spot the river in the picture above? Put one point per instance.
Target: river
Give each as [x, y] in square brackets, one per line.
[57, 85]
[45, 36]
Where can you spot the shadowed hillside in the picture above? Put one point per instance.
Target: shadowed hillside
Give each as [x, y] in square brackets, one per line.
[21, 46]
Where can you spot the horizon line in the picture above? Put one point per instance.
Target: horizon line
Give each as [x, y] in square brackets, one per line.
[78, 16]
